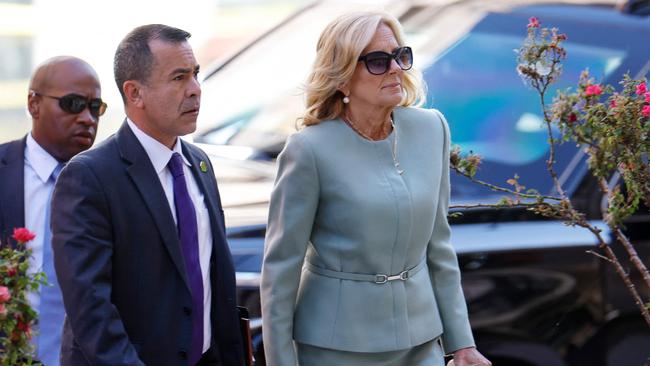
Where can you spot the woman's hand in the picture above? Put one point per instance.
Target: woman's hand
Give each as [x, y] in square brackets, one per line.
[470, 357]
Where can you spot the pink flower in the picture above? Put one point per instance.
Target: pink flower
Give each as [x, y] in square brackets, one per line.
[593, 90]
[647, 97]
[5, 295]
[23, 235]
[612, 103]
[626, 166]
[533, 22]
[641, 88]
[645, 111]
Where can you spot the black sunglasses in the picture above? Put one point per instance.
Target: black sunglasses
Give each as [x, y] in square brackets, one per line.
[378, 62]
[75, 103]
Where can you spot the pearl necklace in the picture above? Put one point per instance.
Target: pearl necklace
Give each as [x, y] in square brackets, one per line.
[394, 147]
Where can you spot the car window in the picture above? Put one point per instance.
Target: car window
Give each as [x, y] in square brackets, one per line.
[491, 112]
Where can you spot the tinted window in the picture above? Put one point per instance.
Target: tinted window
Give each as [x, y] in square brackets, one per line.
[490, 112]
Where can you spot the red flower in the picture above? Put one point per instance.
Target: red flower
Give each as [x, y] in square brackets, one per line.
[646, 110]
[641, 88]
[23, 235]
[5, 295]
[593, 90]
[22, 326]
[12, 271]
[572, 118]
[533, 22]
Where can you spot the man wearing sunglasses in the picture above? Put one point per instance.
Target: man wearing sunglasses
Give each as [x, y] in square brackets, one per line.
[64, 101]
[139, 235]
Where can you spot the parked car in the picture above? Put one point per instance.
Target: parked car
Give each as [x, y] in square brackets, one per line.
[536, 296]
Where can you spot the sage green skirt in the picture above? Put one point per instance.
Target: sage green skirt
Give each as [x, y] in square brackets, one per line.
[427, 354]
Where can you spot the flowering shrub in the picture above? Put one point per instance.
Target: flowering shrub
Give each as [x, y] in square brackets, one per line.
[16, 315]
[612, 126]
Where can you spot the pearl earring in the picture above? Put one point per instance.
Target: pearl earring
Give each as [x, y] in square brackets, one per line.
[346, 100]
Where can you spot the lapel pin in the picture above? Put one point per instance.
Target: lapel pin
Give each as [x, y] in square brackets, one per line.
[203, 166]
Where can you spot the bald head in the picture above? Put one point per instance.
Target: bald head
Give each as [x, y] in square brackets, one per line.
[59, 130]
[48, 72]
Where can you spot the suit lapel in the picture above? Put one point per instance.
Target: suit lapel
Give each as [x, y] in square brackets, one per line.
[148, 184]
[222, 271]
[12, 188]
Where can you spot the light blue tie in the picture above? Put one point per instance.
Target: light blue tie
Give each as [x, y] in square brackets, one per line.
[51, 311]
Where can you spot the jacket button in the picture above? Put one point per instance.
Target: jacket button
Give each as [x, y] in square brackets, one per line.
[182, 355]
[187, 310]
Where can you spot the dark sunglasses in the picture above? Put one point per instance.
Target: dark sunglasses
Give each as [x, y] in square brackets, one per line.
[378, 62]
[75, 103]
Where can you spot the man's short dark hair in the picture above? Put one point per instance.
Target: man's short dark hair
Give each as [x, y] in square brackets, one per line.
[133, 58]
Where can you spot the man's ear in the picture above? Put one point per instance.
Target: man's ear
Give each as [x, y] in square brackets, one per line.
[33, 104]
[133, 93]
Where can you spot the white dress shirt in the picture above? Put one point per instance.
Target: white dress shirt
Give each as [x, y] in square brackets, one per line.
[39, 165]
[160, 155]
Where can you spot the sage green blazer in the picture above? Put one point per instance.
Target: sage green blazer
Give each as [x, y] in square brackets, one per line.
[340, 204]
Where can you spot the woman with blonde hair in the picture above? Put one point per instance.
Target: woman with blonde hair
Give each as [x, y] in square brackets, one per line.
[358, 266]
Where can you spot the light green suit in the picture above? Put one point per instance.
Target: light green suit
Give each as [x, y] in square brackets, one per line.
[340, 204]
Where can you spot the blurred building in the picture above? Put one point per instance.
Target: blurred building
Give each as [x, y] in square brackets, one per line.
[34, 30]
[16, 55]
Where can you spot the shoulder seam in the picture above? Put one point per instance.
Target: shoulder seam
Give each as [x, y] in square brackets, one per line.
[301, 140]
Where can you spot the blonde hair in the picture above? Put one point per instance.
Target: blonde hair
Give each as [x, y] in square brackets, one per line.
[337, 52]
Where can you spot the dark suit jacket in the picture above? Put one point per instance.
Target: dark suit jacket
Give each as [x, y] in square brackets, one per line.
[12, 191]
[119, 262]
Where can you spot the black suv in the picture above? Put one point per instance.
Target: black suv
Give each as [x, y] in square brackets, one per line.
[536, 297]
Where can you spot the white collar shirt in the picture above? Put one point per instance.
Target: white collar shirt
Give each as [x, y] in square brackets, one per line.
[39, 165]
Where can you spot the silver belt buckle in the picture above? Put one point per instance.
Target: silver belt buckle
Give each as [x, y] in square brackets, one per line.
[382, 278]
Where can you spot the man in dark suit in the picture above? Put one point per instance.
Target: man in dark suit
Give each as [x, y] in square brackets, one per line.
[139, 237]
[64, 103]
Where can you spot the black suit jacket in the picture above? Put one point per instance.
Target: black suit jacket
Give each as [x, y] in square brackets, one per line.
[119, 262]
[12, 191]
